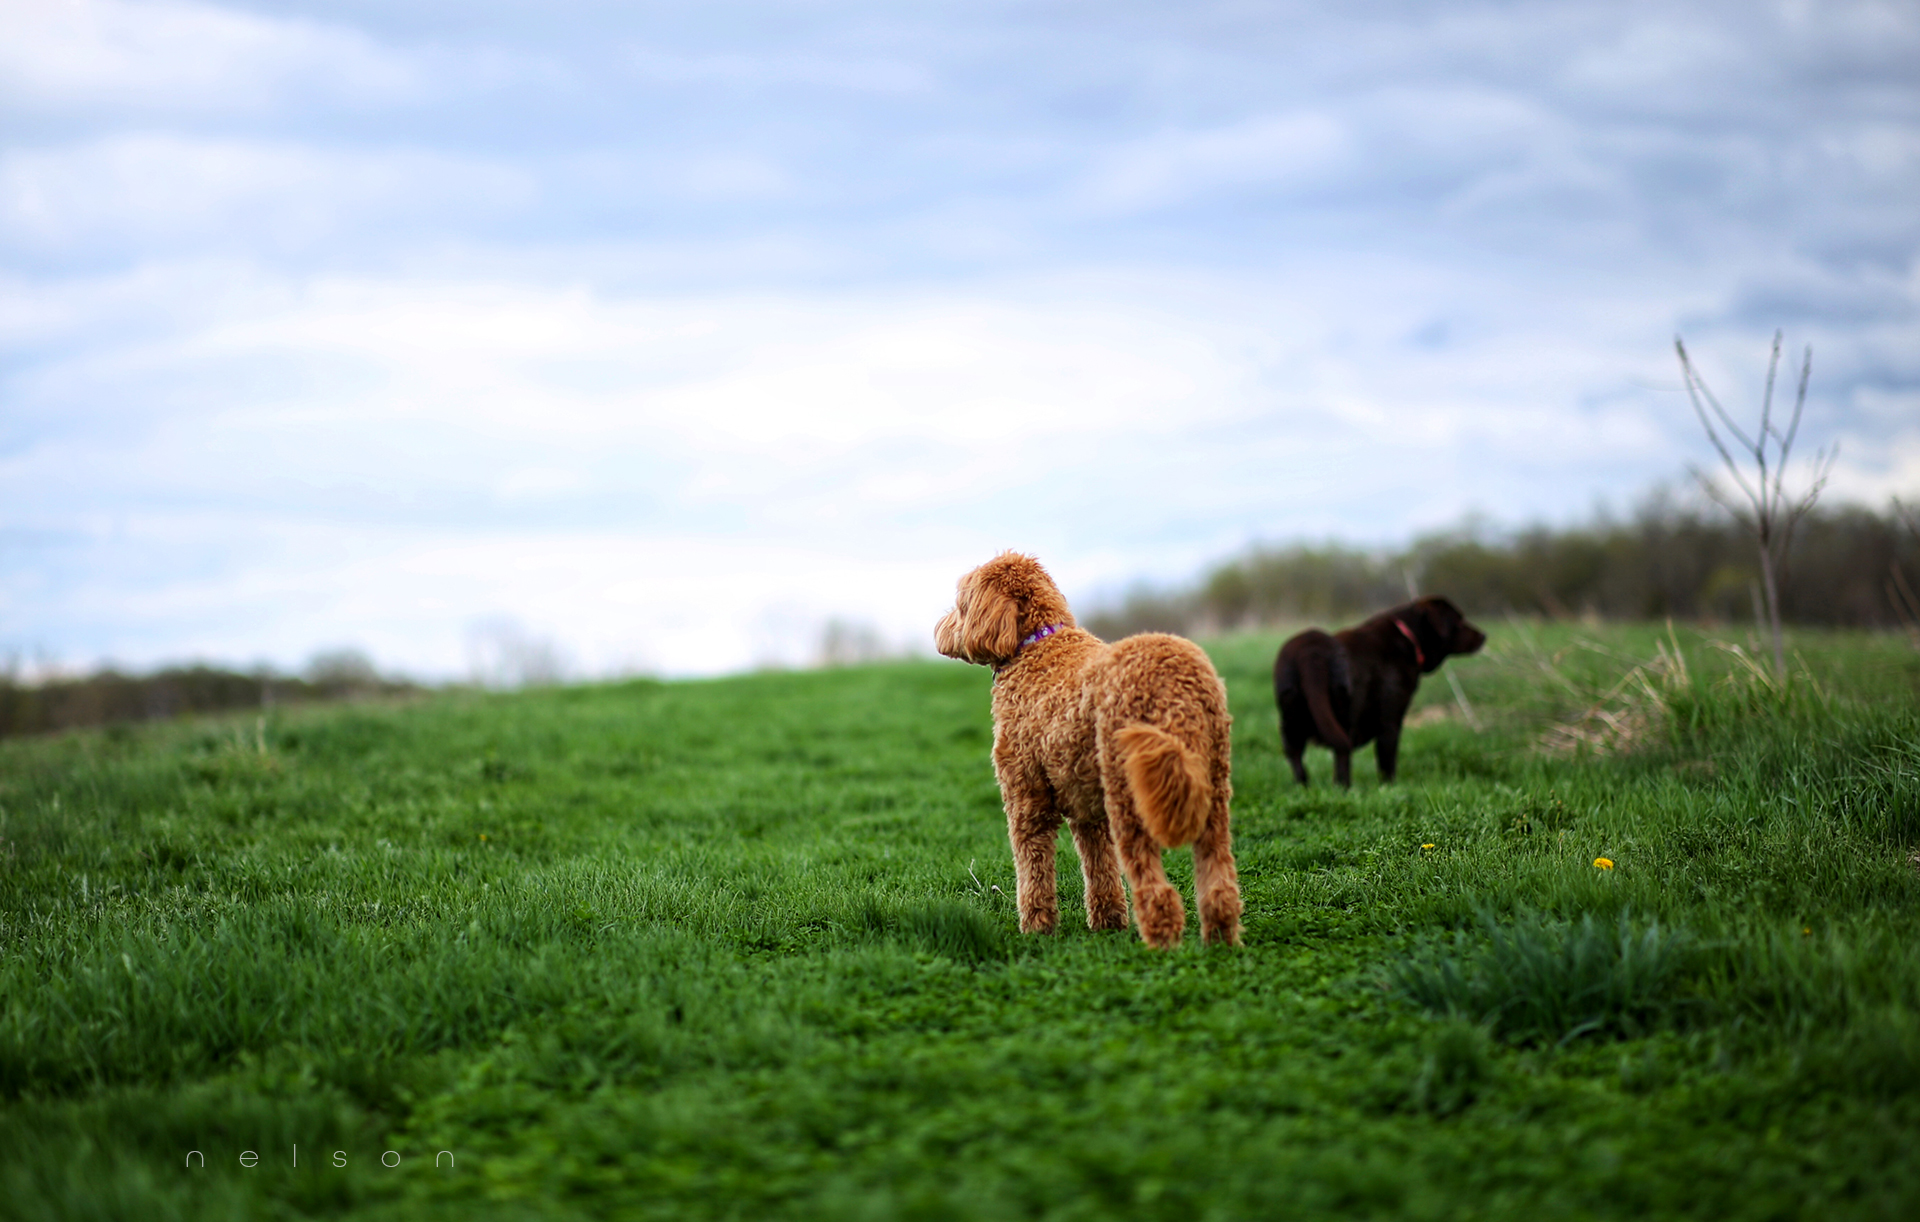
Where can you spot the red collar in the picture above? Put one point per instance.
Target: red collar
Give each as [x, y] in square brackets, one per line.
[1419, 655]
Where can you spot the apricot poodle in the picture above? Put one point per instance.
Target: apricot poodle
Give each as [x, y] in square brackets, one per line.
[1125, 743]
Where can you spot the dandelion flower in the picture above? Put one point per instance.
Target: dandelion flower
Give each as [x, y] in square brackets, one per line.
[1426, 846]
[1807, 930]
[1603, 863]
[483, 835]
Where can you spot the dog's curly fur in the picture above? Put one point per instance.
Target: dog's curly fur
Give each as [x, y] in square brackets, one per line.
[1127, 744]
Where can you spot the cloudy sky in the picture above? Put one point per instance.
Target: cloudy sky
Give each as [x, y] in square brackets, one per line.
[665, 333]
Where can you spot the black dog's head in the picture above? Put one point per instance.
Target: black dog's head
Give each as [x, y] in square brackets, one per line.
[1441, 631]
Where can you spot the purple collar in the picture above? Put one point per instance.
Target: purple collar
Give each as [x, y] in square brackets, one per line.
[1032, 638]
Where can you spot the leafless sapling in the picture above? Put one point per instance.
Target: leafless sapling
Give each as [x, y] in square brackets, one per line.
[1766, 511]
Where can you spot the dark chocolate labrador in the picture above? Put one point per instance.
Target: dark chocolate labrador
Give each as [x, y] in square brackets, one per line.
[1350, 688]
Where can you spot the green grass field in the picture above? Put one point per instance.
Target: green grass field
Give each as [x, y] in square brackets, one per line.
[745, 949]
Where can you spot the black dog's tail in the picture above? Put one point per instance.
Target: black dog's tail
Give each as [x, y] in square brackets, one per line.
[1316, 681]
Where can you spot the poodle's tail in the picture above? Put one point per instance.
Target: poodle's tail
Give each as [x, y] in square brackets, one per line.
[1169, 783]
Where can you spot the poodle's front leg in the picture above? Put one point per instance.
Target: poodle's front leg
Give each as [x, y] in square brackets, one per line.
[1033, 821]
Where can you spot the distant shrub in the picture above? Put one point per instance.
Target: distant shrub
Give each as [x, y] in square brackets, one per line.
[1633, 711]
[343, 670]
[1535, 979]
[1851, 567]
[109, 697]
[1661, 699]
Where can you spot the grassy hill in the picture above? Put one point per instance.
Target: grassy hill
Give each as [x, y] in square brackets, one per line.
[746, 949]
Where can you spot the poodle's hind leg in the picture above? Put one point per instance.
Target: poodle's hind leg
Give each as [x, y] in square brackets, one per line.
[1215, 881]
[1032, 825]
[1157, 908]
[1100, 867]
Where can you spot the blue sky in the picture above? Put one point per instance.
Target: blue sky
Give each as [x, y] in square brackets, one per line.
[667, 333]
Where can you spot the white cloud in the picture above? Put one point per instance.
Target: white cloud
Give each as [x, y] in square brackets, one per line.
[173, 58]
[136, 191]
[610, 602]
[326, 334]
[399, 457]
[1289, 152]
[850, 70]
[1870, 470]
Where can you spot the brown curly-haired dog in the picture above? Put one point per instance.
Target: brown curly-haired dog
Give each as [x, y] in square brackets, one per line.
[1125, 743]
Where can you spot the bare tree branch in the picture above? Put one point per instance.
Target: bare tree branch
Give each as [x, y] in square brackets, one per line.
[1799, 400]
[1696, 390]
[1737, 510]
[1766, 424]
[1695, 380]
[1822, 469]
[1768, 515]
[1766, 399]
[1793, 428]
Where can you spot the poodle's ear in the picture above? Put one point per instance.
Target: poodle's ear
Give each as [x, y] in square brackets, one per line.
[990, 631]
[946, 636]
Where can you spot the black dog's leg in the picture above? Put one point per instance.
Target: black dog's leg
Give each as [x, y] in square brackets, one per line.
[1295, 747]
[1343, 769]
[1386, 752]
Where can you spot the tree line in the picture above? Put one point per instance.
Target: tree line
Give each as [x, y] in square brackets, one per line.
[110, 696]
[1847, 566]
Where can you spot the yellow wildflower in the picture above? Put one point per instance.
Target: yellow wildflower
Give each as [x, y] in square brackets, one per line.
[1603, 863]
[1426, 846]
